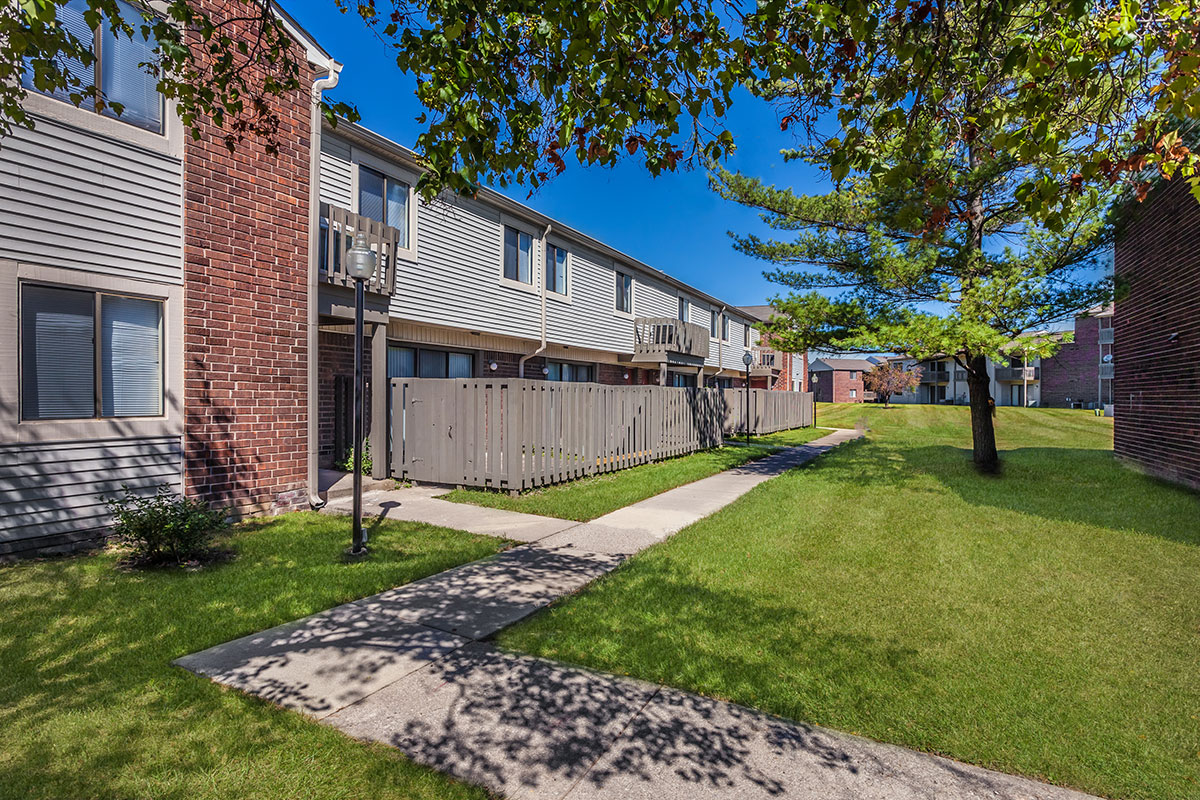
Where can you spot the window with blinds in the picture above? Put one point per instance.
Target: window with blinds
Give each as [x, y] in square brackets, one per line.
[129, 89]
[86, 354]
[385, 200]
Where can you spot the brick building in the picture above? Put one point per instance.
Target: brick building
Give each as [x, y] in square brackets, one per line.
[1080, 374]
[1156, 383]
[839, 380]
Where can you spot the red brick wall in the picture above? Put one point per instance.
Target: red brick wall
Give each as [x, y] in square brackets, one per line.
[1074, 371]
[1157, 336]
[833, 386]
[614, 374]
[245, 286]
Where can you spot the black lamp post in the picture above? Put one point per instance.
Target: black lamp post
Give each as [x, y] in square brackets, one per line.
[812, 379]
[360, 265]
[747, 359]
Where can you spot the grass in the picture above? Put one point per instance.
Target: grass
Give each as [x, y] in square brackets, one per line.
[595, 496]
[789, 438]
[1044, 622]
[91, 708]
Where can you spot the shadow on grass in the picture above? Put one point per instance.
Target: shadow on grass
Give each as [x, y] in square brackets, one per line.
[1064, 484]
[90, 706]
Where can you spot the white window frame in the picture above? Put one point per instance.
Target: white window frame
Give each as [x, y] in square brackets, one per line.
[684, 309]
[619, 270]
[724, 326]
[714, 325]
[17, 431]
[536, 254]
[359, 158]
[568, 276]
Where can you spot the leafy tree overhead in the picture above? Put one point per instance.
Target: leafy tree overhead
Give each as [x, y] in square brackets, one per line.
[891, 378]
[517, 90]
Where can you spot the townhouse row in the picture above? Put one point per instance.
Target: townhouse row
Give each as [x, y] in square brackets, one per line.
[175, 313]
[1078, 375]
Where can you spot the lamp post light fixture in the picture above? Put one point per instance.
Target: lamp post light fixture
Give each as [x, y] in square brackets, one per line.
[360, 265]
[812, 385]
[747, 359]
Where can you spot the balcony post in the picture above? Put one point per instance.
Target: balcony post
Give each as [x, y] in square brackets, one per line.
[379, 404]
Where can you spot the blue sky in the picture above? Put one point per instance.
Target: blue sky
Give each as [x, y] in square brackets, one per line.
[673, 222]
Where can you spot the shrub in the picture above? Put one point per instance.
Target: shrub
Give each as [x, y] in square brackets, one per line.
[346, 464]
[164, 527]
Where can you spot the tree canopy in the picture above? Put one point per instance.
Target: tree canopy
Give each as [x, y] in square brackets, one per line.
[517, 90]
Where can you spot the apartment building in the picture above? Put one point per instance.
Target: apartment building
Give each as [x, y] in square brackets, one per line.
[772, 368]
[1156, 324]
[840, 380]
[1014, 383]
[173, 313]
[1080, 374]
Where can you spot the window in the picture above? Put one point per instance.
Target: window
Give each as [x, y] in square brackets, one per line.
[724, 328]
[87, 355]
[712, 324]
[746, 335]
[853, 374]
[683, 309]
[624, 293]
[518, 255]
[571, 373]
[408, 362]
[117, 70]
[385, 200]
[722, 383]
[556, 270]
[853, 393]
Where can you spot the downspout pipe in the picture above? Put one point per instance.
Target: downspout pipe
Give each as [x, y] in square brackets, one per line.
[545, 265]
[320, 85]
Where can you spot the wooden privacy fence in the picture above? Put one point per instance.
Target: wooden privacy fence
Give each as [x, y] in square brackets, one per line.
[517, 434]
[769, 411]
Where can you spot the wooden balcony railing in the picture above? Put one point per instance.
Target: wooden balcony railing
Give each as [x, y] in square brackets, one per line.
[767, 362]
[665, 339]
[1106, 370]
[960, 376]
[338, 227]
[1106, 336]
[935, 375]
[1018, 373]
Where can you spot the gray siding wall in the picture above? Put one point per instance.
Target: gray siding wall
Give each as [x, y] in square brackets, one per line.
[456, 279]
[86, 201]
[90, 205]
[50, 493]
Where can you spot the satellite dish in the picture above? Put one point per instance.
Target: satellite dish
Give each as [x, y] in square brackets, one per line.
[1107, 358]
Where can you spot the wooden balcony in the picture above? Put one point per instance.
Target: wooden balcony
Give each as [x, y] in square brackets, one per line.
[338, 227]
[767, 363]
[1106, 371]
[1106, 336]
[666, 340]
[960, 376]
[1015, 374]
[935, 375]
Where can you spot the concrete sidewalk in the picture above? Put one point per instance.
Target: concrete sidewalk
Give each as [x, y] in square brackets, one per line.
[407, 667]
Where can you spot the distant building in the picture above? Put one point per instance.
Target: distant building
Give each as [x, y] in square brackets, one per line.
[1156, 323]
[1080, 374]
[840, 380]
[775, 369]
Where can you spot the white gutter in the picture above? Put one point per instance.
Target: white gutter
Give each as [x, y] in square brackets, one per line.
[545, 265]
[319, 86]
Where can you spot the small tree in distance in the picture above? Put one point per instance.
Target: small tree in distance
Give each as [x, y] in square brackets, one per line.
[888, 379]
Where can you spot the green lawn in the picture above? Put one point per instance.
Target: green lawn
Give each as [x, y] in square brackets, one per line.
[588, 498]
[91, 708]
[1043, 622]
[789, 438]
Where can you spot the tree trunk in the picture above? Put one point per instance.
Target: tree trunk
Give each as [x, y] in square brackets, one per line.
[983, 432]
